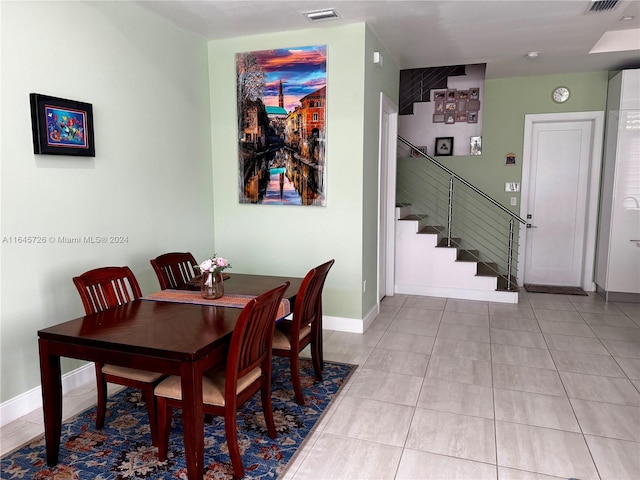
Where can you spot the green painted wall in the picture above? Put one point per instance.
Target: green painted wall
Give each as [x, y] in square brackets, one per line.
[506, 102]
[150, 180]
[281, 239]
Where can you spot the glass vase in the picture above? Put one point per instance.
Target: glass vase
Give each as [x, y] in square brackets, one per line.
[212, 285]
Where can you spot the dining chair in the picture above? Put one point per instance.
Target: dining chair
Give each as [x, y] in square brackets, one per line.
[101, 289]
[174, 270]
[227, 387]
[305, 328]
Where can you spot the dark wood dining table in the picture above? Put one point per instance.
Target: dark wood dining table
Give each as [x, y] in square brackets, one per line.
[173, 338]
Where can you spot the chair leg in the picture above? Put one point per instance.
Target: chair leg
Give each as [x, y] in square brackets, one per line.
[164, 417]
[316, 357]
[295, 377]
[267, 408]
[150, 400]
[101, 386]
[320, 341]
[231, 433]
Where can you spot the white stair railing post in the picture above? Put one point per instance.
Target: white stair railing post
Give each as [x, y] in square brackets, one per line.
[450, 211]
[510, 258]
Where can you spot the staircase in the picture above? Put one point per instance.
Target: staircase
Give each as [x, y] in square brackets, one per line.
[425, 265]
[452, 240]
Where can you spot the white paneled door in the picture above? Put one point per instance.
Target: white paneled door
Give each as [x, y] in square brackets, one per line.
[561, 173]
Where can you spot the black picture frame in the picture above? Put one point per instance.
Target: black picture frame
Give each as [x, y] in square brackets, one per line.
[443, 147]
[61, 126]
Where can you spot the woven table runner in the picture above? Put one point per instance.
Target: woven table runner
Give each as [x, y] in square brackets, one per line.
[227, 300]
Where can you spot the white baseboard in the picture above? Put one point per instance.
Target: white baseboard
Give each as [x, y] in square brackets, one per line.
[370, 317]
[342, 324]
[31, 400]
[458, 293]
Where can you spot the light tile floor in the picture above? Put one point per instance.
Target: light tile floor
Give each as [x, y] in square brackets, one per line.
[454, 389]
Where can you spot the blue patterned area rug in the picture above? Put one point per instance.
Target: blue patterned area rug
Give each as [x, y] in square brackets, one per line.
[123, 450]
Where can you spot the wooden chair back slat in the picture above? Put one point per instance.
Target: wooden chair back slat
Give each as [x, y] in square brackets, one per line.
[308, 307]
[174, 270]
[253, 334]
[106, 287]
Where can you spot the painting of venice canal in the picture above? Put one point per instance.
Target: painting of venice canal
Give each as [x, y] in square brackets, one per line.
[281, 126]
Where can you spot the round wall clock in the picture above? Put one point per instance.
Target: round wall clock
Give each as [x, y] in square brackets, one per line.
[560, 95]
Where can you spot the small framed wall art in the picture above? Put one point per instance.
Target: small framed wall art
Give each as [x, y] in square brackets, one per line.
[444, 146]
[61, 127]
[476, 145]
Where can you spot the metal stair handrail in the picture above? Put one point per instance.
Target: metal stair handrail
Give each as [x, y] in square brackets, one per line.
[454, 176]
[463, 181]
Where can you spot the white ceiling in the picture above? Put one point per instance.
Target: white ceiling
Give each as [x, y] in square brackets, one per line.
[432, 33]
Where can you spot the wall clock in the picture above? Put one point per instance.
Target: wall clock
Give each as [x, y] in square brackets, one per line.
[560, 94]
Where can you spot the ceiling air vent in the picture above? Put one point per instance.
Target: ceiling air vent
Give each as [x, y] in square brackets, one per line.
[601, 6]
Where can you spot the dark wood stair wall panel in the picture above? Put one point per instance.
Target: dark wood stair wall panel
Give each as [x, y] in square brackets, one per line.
[416, 84]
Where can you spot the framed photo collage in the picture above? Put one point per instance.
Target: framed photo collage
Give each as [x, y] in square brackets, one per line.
[456, 106]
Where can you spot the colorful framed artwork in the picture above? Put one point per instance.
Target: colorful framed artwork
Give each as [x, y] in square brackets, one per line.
[450, 118]
[439, 107]
[61, 127]
[463, 94]
[451, 95]
[472, 117]
[450, 106]
[475, 145]
[444, 146]
[282, 135]
[474, 94]
[461, 117]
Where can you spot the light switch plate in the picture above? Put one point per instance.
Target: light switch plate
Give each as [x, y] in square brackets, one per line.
[512, 187]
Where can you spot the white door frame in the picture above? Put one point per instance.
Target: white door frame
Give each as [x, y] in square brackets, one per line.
[593, 196]
[387, 159]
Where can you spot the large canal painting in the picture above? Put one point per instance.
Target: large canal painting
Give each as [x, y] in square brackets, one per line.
[281, 126]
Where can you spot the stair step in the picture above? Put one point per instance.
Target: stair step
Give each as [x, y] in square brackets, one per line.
[468, 255]
[503, 284]
[455, 243]
[432, 230]
[487, 269]
[413, 216]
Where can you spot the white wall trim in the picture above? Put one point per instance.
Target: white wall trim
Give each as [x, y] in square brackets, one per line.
[370, 317]
[497, 296]
[387, 165]
[31, 400]
[343, 324]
